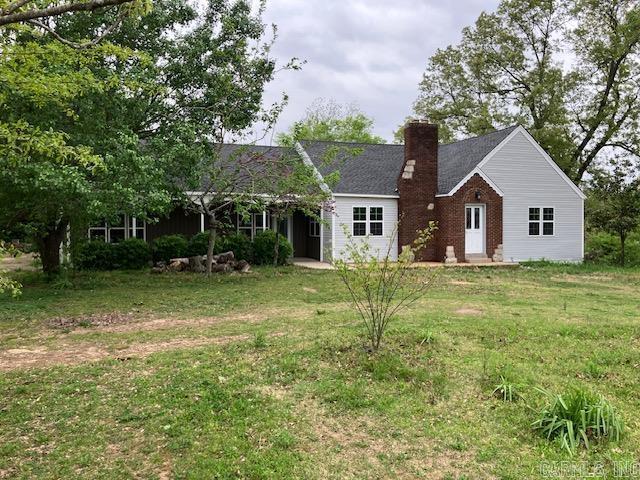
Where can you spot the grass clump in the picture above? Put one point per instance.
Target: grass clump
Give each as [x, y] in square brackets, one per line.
[579, 418]
[507, 390]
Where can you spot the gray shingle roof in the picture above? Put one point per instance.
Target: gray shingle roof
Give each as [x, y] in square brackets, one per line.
[375, 169]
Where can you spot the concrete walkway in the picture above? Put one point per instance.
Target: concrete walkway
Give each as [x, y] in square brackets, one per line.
[317, 265]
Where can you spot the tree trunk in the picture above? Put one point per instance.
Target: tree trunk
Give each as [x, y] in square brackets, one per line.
[213, 233]
[276, 248]
[623, 239]
[49, 247]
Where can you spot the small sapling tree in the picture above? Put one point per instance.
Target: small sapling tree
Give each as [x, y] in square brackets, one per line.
[381, 288]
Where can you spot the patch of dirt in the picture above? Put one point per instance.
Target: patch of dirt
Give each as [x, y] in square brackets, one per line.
[66, 354]
[468, 311]
[131, 323]
[355, 447]
[23, 262]
[309, 290]
[93, 320]
[461, 283]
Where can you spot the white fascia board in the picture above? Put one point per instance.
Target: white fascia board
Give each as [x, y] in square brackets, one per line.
[473, 172]
[364, 195]
[307, 161]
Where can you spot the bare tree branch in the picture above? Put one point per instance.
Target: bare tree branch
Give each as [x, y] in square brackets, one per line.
[11, 15]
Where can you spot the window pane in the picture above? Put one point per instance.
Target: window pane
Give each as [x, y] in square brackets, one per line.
[375, 228]
[468, 219]
[359, 214]
[116, 235]
[257, 219]
[476, 215]
[547, 214]
[375, 214]
[547, 228]
[534, 214]
[98, 234]
[359, 229]
[534, 228]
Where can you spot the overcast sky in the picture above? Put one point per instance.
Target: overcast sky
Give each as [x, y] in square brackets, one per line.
[368, 52]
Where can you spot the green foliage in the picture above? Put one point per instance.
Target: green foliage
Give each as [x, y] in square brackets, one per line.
[7, 284]
[579, 418]
[132, 254]
[237, 243]
[169, 246]
[95, 255]
[332, 122]
[198, 245]
[506, 390]
[604, 248]
[381, 287]
[509, 69]
[614, 202]
[264, 246]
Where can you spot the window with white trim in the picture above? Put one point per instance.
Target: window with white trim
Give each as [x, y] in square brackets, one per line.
[375, 221]
[314, 227]
[359, 221]
[253, 224]
[121, 229]
[541, 221]
[368, 220]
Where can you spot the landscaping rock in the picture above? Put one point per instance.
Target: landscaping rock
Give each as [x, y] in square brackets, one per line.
[178, 266]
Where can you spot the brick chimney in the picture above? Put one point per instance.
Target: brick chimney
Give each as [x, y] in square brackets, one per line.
[418, 184]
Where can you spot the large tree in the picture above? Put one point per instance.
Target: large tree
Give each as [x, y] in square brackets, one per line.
[330, 121]
[69, 146]
[568, 70]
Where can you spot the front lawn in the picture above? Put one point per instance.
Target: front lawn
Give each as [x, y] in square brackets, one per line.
[133, 375]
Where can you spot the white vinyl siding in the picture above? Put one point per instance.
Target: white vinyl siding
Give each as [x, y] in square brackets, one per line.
[527, 180]
[343, 215]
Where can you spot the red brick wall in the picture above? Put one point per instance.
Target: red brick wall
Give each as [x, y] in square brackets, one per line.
[451, 218]
[419, 191]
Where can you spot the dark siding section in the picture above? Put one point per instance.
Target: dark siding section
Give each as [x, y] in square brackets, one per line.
[179, 221]
[303, 244]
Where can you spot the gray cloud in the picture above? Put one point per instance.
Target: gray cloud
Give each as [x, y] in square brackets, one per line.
[368, 52]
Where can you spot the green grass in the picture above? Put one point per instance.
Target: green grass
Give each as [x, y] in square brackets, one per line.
[264, 376]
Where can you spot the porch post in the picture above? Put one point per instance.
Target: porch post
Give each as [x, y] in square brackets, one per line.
[201, 222]
[321, 235]
[264, 220]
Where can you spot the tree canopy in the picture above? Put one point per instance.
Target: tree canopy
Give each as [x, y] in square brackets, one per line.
[330, 121]
[568, 70]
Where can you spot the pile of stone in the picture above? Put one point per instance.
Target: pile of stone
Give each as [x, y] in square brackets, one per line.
[222, 263]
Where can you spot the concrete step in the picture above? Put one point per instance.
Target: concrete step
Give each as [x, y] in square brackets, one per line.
[478, 258]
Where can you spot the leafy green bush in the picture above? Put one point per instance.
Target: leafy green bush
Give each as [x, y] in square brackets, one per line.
[264, 246]
[132, 254]
[95, 255]
[169, 246]
[602, 247]
[579, 418]
[240, 245]
[198, 244]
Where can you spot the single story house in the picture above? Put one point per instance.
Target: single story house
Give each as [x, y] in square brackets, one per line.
[498, 196]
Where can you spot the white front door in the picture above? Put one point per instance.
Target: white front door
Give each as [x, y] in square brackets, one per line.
[474, 229]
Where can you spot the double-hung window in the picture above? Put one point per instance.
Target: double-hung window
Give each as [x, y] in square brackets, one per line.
[122, 228]
[359, 221]
[541, 221]
[375, 221]
[367, 220]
